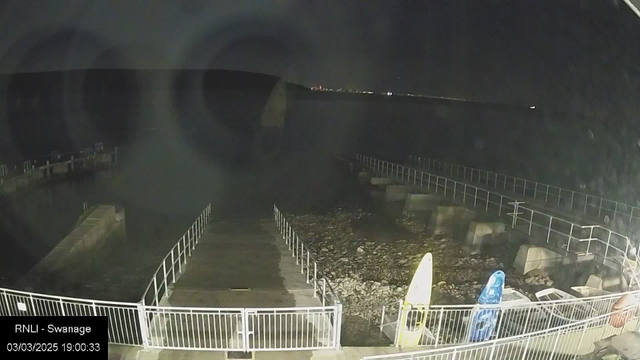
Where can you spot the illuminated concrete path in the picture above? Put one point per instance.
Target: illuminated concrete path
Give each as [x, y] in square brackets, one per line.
[242, 264]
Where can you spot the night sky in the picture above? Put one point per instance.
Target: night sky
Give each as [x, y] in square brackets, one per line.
[569, 55]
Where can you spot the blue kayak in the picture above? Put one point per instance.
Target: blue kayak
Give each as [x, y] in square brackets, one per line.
[484, 321]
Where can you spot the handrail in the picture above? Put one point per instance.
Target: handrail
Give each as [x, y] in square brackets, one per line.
[563, 232]
[450, 324]
[579, 325]
[188, 241]
[602, 205]
[296, 246]
[57, 297]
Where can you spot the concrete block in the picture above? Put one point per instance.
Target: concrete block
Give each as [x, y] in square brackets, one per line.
[420, 205]
[397, 192]
[381, 181]
[364, 176]
[421, 202]
[594, 282]
[480, 233]
[451, 220]
[532, 257]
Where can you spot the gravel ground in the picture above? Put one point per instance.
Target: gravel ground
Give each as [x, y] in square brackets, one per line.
[369, 258]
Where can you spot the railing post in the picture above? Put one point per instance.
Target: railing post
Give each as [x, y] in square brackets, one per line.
[549, 231]
[445, 186]
[570, 236]
[493, 350]
[179, 260]
[144, 326]
[308, 266]
[184, 248]
[606, 251]
[324, 290]
[584, 331]
[302, 258]
[586, 201]
[155, 289]
[189, 240]
[555, 345]
[600, 209]
[589, 242]
[535, 190]
[475, 199]
[439, 327]
[399, 326]
[500, 208]
[164, 270]
[573, 193]
[6, 302]
[315, 279]
[464, 195]
[337, 324]
[33, 306]
[546, 195]
[526, 320]
[173, 266]
[531, 222]
[526, 347]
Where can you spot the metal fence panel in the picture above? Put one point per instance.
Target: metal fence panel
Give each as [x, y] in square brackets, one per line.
[195, 328]
[124, 326]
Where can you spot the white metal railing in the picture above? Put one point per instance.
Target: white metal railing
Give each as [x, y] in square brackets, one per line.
[611, 247]
[172, 265]
[308, 264]
[450, 324]
[243, 329]
[617, 212]
[124, 320]
[564, 342]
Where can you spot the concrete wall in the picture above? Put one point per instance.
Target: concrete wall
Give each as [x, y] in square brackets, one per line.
[96, 226]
